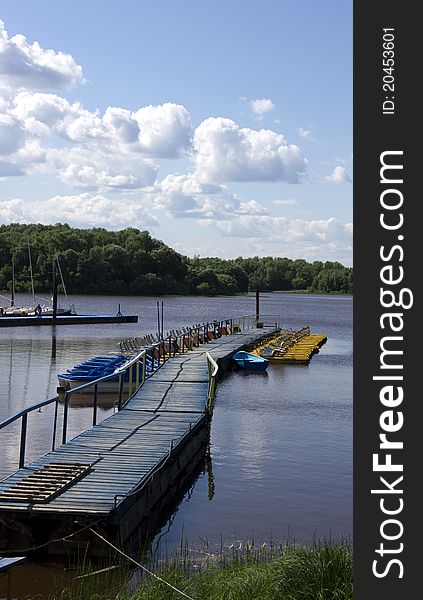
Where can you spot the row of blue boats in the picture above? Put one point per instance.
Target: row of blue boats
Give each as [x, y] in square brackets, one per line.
[102, 366]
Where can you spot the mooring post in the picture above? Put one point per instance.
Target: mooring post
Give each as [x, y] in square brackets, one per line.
[54, 292]
[121, 376]
[65, 417]
[158, 319]
[257, 305]
[53, 442]
[95, 404]
[23, 440]
[162, 328]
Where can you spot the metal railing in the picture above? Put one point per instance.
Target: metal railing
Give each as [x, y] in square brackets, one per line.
[213, 368]
[180, 340]
[149, 349]
[254, 321]
[135, 381]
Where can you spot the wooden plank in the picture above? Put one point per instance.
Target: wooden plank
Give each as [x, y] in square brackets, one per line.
[126, 446]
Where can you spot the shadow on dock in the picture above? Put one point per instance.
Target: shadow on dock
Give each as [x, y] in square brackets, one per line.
[121, 479]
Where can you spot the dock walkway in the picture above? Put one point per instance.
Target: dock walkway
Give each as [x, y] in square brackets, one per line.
[125, 449]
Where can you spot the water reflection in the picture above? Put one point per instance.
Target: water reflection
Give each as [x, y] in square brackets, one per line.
[40, 575]
[281, 441]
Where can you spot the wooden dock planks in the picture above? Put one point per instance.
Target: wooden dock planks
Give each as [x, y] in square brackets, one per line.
[123, 449]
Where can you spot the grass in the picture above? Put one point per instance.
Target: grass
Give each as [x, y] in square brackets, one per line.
[321, 571]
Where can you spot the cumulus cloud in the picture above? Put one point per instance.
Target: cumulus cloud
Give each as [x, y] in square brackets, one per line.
[261, 106]
[118, 149]
[225, 152]
[184, 196]
[29, 66]
[44, 114]
[339, 175]
[164, 130]
[281, 229]
[102, 168]
[83, 210]
[110, 150]
[18, 153]
[104, 150]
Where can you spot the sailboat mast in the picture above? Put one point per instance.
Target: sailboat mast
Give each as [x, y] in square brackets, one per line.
[61, 278]
[12, 295]
[31, 273]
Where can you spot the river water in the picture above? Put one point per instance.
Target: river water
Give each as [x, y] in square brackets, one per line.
[281, 442]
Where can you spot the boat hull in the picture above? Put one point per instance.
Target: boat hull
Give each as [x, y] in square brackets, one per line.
[251, 362]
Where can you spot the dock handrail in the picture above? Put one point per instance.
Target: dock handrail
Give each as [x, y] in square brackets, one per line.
[213, 368]
[252, 321]
[120, 373]
[160, 350]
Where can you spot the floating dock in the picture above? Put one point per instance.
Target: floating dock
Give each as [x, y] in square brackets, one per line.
[291, 346]
[117, 477]
[66, 320]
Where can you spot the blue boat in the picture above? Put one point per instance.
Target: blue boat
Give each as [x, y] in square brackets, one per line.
[252, 362]
[101, 366]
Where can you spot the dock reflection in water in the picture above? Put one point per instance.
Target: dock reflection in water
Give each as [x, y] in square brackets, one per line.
[281, 444]
[41, 576]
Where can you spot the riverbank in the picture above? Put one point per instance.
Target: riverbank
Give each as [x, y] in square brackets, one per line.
[248, 572]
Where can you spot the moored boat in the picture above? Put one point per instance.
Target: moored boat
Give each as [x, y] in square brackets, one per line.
[101, 366]
[252, 362]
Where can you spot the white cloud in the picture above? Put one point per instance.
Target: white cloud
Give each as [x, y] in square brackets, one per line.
[317, 239]
[44, 114]
[164, 131]
[287, 202]
[280, 229]
[101, 151]
[11, 210]
[184, 196]
[339, 175]
[102, 168]
[305, 133]
[12, 136]
[225, 152]
[261, 106]
[29, 66]
[83, 210]
[18, 153]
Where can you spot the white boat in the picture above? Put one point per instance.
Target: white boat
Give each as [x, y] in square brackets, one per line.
[35, 309]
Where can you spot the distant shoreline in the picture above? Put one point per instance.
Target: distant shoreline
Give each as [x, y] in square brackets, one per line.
[4, 293]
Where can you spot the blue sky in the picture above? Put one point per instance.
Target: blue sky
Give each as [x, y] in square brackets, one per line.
[224, 128]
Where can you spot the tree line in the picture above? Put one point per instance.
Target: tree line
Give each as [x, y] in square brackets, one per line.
[97, 261]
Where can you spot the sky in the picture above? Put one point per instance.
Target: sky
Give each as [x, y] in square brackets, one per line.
[223, 128]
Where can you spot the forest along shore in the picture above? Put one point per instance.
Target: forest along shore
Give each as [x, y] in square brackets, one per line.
[129, 262]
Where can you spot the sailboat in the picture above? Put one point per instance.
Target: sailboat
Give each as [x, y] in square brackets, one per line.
[35, 309]
[48, 309]
[11, 310]
[11, 300]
